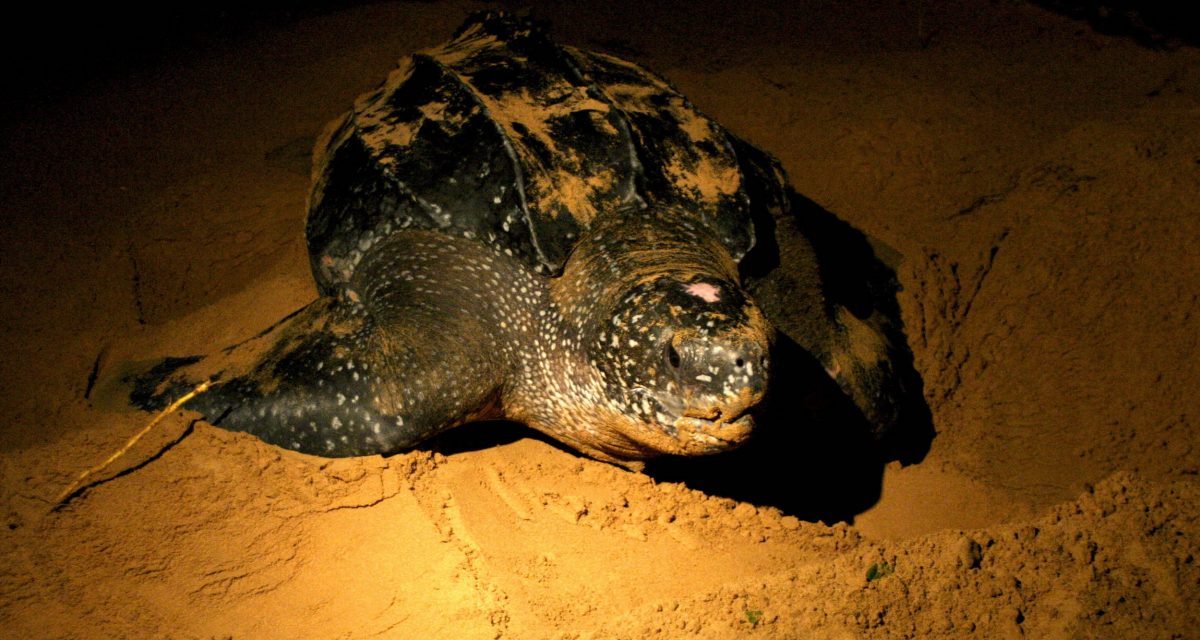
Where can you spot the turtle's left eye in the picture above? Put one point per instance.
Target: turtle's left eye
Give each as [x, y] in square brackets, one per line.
[672, 356]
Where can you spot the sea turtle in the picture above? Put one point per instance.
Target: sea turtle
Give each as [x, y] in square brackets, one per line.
[512, 229]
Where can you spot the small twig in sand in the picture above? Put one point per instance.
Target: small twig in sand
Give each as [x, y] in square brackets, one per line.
[78, 483]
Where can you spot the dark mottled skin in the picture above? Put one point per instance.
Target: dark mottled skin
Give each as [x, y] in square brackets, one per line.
[508, 228]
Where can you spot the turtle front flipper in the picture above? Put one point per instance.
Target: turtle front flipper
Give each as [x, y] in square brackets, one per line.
[405, 351]
[863, 362]
[825, 287]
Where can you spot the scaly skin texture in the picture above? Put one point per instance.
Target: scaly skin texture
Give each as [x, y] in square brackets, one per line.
[646, 346]
[653, 366]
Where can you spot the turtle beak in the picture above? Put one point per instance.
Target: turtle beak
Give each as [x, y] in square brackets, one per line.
[716, 435]
[722, 378]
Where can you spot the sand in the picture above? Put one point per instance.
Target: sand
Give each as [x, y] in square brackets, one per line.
[1039, 183]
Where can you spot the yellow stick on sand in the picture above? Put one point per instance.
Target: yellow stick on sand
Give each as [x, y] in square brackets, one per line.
[62, 497]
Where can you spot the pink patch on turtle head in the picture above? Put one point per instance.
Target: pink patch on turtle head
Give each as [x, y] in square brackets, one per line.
[705, 291]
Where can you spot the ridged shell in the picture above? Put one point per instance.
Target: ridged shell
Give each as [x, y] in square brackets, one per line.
[503, 136]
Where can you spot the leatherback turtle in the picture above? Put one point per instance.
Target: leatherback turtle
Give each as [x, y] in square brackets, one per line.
[512, 229]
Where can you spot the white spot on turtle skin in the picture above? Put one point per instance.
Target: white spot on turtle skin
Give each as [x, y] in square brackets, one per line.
[704, 378]
[705, 291]
[336, 423]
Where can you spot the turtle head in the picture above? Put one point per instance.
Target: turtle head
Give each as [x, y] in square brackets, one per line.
[680, 350]
[686, 357]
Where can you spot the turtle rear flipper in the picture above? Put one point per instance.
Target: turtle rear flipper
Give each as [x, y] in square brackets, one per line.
[372, 371]
[833, 294]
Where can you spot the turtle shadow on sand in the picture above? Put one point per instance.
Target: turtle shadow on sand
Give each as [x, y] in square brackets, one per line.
[813, 454]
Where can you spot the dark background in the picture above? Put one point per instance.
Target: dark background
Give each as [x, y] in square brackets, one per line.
[51, 48]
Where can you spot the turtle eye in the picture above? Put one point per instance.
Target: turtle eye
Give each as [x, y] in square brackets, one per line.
[672, 356]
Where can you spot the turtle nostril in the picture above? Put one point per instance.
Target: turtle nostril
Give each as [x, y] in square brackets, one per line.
[672, 356]
[739, 363]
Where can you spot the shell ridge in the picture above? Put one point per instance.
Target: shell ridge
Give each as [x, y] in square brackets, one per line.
[509, 150]
[745, 196]
[428, 208]
[649, 98]
[635, 194]
[572, 146]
